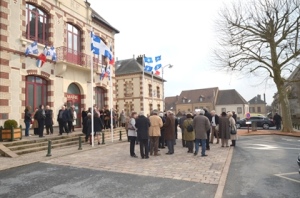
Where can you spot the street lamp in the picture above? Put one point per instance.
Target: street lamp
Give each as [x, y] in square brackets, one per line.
[162, 76]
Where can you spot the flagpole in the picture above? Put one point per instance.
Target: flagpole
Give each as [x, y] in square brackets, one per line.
[144, 83]
[152, 90]
[92, 95]
[111, 105]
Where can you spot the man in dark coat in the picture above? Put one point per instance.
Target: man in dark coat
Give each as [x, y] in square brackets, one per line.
[176, 130]
[49, 120]
[234, 115]
[169, 127]
[142, 124]
[62, 119]
[70, 118]
[207, 114]
[40, 117]
[277, 120]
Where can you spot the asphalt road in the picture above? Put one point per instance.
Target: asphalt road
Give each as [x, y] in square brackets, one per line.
[46, 180]
[264, 166]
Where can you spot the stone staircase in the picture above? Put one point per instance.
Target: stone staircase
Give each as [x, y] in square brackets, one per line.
[35, 144]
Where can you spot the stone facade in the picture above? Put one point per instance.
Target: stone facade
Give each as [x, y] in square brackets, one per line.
[135, 88]
[258, 106]
[15, 67]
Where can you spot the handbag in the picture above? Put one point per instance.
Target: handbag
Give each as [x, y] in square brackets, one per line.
[232, 131]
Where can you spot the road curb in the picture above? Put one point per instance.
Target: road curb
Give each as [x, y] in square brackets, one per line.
[222, 181]
[280, 134]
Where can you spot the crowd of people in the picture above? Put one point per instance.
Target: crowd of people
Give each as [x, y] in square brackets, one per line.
[153, 132]
[42, 118]
[158, 130]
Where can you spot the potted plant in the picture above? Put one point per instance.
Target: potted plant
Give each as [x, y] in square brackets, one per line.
[10, 131]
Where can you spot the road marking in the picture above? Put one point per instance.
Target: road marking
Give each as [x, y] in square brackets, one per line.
[293, 173]
[263, 139]
[269, 147]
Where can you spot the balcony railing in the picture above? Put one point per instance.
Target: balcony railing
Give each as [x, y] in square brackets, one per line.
[77, 58]
[36, 38]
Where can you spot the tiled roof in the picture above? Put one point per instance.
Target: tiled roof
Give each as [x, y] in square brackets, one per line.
[193, 96]
[231, 96]
[102, 20]
[257, 100]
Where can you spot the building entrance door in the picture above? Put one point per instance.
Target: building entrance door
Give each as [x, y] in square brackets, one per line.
[74, 98]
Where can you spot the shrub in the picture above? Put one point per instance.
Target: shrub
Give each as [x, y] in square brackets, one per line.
[10, 123]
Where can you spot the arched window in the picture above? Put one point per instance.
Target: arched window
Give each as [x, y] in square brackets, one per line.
[36, 24]
[73, 44]
[100, 97]
[73, 89]
[36, 91]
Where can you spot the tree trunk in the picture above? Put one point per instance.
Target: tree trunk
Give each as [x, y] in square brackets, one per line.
[287, 125]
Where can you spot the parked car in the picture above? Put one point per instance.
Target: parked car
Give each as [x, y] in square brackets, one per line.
[261, 121]
[298, 160]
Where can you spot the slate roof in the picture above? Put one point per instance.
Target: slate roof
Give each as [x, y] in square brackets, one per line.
[230, 96]
[131, 66]
[102, 20]
[170, 102]
[257, 100]
[193, 96]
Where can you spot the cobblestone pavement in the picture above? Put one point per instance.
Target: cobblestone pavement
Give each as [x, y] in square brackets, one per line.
[6, 162]
[180, 166]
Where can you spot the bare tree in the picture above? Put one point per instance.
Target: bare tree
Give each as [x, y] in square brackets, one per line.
[262, 37]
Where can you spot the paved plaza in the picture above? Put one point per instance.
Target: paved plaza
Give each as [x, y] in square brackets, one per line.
[180, 166]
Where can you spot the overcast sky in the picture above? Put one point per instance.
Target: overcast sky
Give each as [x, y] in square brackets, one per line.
[183, 33]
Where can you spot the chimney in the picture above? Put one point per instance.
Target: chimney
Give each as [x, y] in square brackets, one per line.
[177, 97]
[139, 59]
[116, 58]
[258, 97]
[264, 97]
[133, 56]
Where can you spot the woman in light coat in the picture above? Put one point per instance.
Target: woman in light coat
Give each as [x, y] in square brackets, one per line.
[232, 126]
[189, 137]
[132, 133]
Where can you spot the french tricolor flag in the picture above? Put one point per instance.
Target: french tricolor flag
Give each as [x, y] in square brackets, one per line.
[42, 58]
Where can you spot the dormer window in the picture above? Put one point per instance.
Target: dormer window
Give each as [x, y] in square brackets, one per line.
[183, 100]
[201, 98]
[189, 101]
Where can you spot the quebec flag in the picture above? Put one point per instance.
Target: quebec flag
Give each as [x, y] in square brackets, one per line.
[151, 65]
[32, 49]
[52, 52]
[98, 47]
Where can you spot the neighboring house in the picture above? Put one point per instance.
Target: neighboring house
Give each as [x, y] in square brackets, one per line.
[231, 100]
[170, 103]
[66, 26]
[293, 92]
[257, 106]
[194, 100]
[135, 93]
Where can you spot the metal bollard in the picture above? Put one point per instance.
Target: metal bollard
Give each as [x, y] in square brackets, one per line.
[120, 136]
[49, 149]
[80, 145]
[103, 138]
